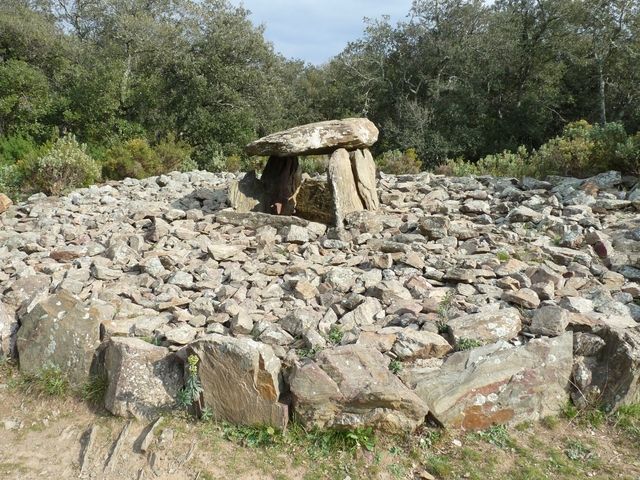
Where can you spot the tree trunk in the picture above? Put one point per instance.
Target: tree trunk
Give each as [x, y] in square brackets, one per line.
[601, 93]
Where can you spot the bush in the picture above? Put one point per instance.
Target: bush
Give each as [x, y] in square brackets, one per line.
[174, 155]
[397, 162]
[64, 165]
[15, 147]
[582, 150]
[134, 158]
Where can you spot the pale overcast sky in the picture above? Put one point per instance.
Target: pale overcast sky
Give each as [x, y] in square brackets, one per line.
[316, 30]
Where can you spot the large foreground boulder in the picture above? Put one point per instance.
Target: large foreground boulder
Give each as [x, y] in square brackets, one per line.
[143, 379]
[317, 138]
[351, 386]
[616, 374]
[241, 380]
[500, 383]
[59, 331]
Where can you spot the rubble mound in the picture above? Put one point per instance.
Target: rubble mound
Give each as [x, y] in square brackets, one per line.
[472, 301]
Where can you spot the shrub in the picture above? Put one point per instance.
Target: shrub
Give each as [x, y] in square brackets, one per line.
[174, 155]
[314, 164]
[581, 151]
[64, 165]
[15, 147]
[134, 158]
[397, 162]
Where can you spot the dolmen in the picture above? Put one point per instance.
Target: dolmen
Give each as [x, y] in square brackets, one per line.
[281, 189]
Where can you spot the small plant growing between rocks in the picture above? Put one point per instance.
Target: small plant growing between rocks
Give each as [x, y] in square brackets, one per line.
[503, 256]
[467, 344]
[335, 335]
[496, 435]
[395, 366]
[445, 306]
[50, 380]
[191, 395]
[94, 390]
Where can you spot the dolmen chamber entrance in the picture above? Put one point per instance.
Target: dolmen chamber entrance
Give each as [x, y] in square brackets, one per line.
[282, 190]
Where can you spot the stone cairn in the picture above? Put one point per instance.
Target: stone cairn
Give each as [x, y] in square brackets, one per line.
[281, 190]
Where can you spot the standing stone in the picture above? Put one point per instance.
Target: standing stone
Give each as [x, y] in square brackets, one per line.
[343, 186]
[8, 329]
[364, 171]
[247, 194]
[281, 179]
[60, 331]
[317, 138]
[499, 383]
[143, 378]
[351, 387]
[241, 380]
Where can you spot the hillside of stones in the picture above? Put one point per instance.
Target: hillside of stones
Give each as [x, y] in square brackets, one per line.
[463, 301]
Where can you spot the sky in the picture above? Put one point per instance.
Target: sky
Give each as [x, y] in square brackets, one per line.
[316, 30]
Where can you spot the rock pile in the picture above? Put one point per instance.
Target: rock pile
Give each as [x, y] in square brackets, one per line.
[351, 172]
[474, 301]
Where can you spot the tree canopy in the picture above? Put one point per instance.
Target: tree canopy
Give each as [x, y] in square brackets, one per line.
[457, 78]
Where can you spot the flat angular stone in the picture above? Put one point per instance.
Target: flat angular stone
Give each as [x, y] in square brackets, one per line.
[317, 138]
[241, 380]
[143, 379]
[350, 387]
[60, 331]
[415, 344]
[549, 320]
[487, 327]
[500, 384]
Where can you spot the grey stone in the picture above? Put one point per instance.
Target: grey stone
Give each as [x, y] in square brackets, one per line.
[143, 379]
[351, 387]
[241, 380]
[59, 331]
[317, 138]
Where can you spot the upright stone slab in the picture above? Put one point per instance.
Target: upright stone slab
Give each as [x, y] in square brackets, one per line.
[241, 380]
[60, 331]
[317, 138]
[144, 379]
[343, 186]
[8, 329]
[364, 172]
[499, 383]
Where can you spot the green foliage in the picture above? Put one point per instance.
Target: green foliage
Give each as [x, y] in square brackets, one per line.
[252, 436]
[397, 162]
[496, 435]
[24, 97]
[94, 390]
[333, 440]
[174, 155]
[62, 166]
[627, 418]
[395, 366]
[314, 164]
[577, 451]
[190, 394]
[582, 150]
[503, 256]
[134, 158]
[16, 147]
[335, 335]
[467, 344]
[49, 380]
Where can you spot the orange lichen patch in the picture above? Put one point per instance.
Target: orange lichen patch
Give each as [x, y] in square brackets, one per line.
[479, 417]
[264, 383]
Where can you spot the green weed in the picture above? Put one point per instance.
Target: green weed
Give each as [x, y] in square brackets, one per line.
[395, 366]
[94, 390]
[335, 335]
[49, 380]
[467, 344]
[496, 435]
